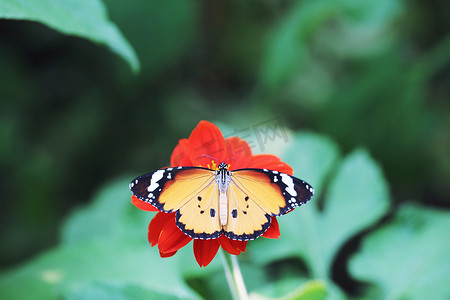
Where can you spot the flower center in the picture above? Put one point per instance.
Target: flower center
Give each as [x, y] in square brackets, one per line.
[214, 166]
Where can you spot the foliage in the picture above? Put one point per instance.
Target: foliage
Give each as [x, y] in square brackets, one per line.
[409, 257]
[356, 188]
[87, 19]
[104, 252]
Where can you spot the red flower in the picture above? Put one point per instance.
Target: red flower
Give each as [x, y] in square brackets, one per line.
[206, 139]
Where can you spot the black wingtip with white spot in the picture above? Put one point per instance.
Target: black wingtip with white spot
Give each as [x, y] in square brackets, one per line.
[148, 187]
[296, 192]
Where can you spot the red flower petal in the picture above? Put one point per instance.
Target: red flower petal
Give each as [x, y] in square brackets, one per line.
[205, 250]
[226, 245]
[156, 225]
[172, 238]
[239, 151]
[142, 204]
[168, 254]
[271, 162]
[241, 245]
[273, 232]
[231, 246]
[181, 154]
[207, 139]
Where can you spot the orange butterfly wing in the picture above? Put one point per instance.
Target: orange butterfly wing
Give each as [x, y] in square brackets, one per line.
[190, 191]
[256, 195]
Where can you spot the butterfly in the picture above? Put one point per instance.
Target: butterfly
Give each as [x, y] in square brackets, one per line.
[209, 203]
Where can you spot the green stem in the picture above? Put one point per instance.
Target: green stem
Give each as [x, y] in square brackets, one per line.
[234, 276]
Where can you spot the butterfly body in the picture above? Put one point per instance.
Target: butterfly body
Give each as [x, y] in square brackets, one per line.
[208, 203]
[223, 179]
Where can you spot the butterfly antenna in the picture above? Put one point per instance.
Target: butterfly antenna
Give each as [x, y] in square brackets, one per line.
[226, 161]
[206, 155]
[229, 159]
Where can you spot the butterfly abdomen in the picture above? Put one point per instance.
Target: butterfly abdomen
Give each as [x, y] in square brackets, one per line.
[223, 179]
[223, 209]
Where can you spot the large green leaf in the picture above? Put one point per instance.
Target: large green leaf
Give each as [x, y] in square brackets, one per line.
[78, 270]
[408, 258]
[356, 197]
[110, 216]
[83, 18]
[104, 255]
[115, 290]
[312, 156]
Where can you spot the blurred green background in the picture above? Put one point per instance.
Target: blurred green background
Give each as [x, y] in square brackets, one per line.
[105, 90]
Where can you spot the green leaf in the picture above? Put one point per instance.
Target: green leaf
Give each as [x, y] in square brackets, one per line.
[408, 258]
[104, 254]
[83, 18]
[114, 290]
[312, 156]
[357, 196]
[110, 216]
[289, 289]
[312, 290]
[87, 267]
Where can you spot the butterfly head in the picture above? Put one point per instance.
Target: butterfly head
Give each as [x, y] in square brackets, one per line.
[223, 167]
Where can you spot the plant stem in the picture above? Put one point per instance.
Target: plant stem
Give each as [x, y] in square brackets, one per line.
[234, 276]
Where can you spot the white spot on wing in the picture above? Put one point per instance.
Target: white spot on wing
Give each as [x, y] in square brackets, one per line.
[154, 180]
[289, 182]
